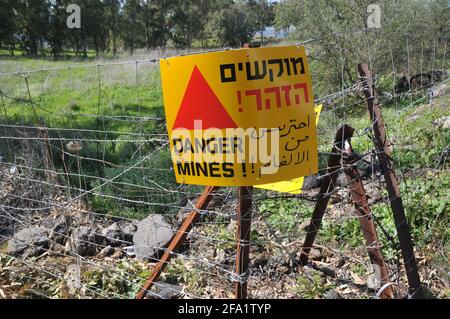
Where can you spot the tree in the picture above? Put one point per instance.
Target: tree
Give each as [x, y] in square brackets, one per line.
[232, 25]
[336, 35]
[186, 21]
[262, 15]
[57, 27]
[204, 10]
[157, 17]
[148, 14]
[96, 25]
[132, 26]
[8, 25]
[284, 19]
[34, 18]
[112, 8]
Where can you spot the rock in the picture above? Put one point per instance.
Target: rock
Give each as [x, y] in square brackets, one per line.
[113, 234]
[152, 233]
[166, 291]
[85, 241]
[438, 90]
[106, 252]
[129, 251]
[58, 229]
[443, 122]
[72, 277]
[58, 249]
[331, 294]
[373, 282]
[311, 182]
[315, 254]
[307, 269]
[31, 241]
[118, 253]
[128, 232]
[327, 272]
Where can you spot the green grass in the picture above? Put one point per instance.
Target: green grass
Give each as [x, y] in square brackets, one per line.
[47, 54]
[108, 90]
[418, 145]
[63, 97]
[284, 215]
[18, 62]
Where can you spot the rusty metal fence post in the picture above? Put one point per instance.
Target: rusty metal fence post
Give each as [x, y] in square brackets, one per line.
[387, 166]
[343, 133]
[366, 221]
[178, 239]
[244, 219]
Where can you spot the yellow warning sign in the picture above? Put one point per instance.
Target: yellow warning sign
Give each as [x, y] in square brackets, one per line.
[242, 117]
[295, 185]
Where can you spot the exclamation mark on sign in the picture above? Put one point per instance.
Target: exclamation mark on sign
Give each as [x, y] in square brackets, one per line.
[244, 170]
[239, 97]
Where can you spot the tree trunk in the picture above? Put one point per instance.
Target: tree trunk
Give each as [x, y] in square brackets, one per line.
[12, 46]
[33, 46]
[147, 37]
[97, 47]
[114, 48]
[113, 34]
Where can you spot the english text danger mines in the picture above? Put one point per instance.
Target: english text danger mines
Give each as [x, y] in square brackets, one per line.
[214, 145]
[205, 169]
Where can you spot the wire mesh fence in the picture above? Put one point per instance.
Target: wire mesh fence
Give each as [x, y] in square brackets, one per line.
[89, 200]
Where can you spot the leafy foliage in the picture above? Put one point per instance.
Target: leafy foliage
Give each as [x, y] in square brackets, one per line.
[311, 287]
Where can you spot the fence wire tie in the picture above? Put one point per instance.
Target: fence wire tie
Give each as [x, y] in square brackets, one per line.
[240, 278]
[200, 211]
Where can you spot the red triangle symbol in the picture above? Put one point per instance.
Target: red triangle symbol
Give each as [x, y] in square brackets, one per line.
[201, 103]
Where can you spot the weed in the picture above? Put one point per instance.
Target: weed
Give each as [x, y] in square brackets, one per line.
[311, 287]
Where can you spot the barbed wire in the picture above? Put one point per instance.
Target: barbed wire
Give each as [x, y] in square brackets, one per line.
[41, 179]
